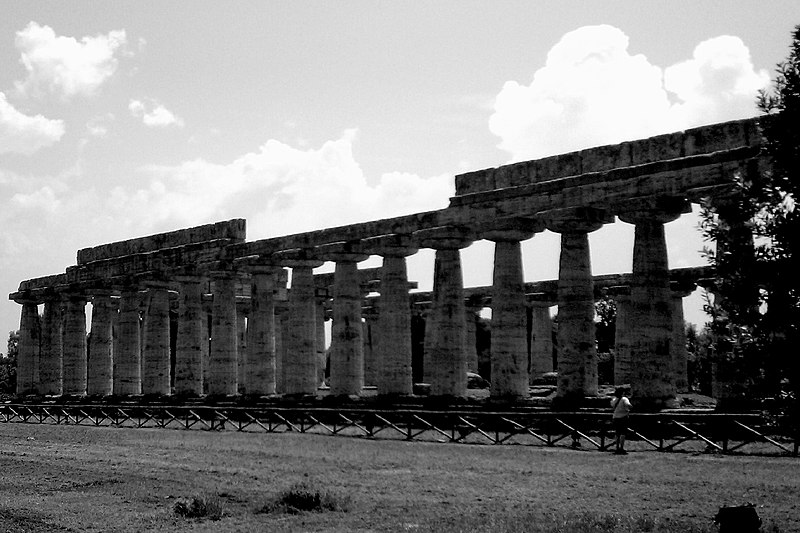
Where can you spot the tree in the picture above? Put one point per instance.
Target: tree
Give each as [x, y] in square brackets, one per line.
[8, 365]
[605, 323]
[756, 310]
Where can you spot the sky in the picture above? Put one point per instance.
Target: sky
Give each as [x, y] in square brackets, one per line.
[124, 119]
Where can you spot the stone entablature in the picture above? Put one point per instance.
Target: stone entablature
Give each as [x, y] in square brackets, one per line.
[672, 151]
[646, 183]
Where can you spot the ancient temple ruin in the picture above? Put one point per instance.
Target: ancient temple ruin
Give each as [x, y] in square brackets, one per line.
[203, 311]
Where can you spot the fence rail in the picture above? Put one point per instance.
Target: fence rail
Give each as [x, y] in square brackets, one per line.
[696, 432]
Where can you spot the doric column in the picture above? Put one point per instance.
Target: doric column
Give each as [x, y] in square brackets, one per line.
[321, 298]
[577, 354]
[509, 359]
[189, 342]
[623, 363]
[473, 307]
[260, 374]
[30, 332]
[300, 364]
[445, 335]
[205, 327]
[74, 382]
[52, 352]
[223, 360]
[347, 335]
[394, 376]
[652, 382]
[281, 328]
[128, 358]
[99, 380]
[156, 349]
[241, 344]
[679, 355]
[541, 340]
[370, 338]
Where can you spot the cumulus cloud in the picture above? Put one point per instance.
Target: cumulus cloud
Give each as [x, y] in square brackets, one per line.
[718, 83]
[280, 189]
[593, 91]
[23, 134]
[64, 65]
[154, 114]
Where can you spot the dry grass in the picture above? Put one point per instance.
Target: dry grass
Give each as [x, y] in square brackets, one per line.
[67, 478]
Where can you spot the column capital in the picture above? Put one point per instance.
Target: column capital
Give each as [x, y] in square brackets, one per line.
[296, 258]
[661, 209]
[512, 229]
[390, 245]
[444, 237]
[24, 297]
[577, 220]
[344, 251]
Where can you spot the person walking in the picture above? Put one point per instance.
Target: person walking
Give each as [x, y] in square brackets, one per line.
[622, 408]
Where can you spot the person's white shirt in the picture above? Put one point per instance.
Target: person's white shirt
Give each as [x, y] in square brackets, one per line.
[622, 406]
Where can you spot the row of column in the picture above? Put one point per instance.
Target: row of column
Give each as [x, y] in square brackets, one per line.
[141, 360]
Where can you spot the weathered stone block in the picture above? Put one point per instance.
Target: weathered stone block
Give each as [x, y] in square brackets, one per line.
[477, 181]
[559, 166]
[707, 139]
[606, 157]
[520, 174]
[231, 229]
[658, 148]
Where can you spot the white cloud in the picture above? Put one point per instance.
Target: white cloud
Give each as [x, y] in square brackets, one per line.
[23, 134]
[280, 190]
[98, 126]
[718, 83]
[64, 65]
[154, 114]
[593, 91]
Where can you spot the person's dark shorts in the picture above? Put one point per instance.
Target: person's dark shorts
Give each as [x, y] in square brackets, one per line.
[620, 424]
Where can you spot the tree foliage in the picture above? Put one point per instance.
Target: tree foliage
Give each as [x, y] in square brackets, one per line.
[756, 310]
[8, 365]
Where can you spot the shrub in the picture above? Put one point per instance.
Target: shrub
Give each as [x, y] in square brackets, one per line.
[201, 506]
[302, 497]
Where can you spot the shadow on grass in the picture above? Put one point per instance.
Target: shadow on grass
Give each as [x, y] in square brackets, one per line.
[587, 522]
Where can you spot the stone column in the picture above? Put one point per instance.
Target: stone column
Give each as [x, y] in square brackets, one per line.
[128, 358]
[541, 340]
[156, 353]
[370, 348]
[393, 357]
[241, 346]
[509, 359]
[100, 364]
[473, 308]
[679, 355]
[281, 334]
[205, 327]
[320, 298]
[52, 352]
[300, 364]
[445, 326]
[347, 335]
[652, 383]
[260, 371]
[623, 363]
[188, 346]
[223, 361]
[30, 333]
[577, 354]
[74, 382]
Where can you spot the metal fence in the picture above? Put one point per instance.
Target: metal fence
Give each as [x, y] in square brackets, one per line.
[690, 432]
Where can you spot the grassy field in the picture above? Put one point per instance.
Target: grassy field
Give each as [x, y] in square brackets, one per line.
[69, 478]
